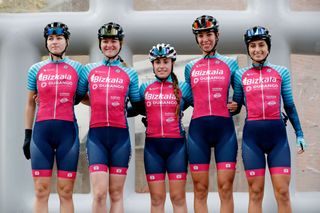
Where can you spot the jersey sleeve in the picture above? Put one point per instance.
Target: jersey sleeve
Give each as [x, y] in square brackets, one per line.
[134, 95]
[288, 103]
[32, 77]
[82, 88]
[187, 71]
[234, 67]
[238, 94]
[186, 93]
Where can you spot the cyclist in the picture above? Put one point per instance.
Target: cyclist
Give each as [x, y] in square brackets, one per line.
[261, 87]
[109, 83]
[55, 133]
[211, 125]
[165, 147]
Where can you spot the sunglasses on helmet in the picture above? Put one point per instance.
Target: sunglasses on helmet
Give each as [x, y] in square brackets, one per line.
[55, 31]
[256, 31]
[197, 26]
[105, 32]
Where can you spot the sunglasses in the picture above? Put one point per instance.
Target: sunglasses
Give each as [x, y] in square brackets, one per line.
[104, 32]
[257, 31]
[196, 25]
[55, 31]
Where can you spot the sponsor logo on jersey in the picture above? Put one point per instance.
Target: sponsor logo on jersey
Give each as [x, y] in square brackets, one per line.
[150, 96]
[272, 103]
[64, 100]
[94, 86]
[115, 104]
[49, 77]
[248, 88]
[170, 120]
[250, 81]
[43, 84]
[99, 79]
[217, 95]
[198, 73]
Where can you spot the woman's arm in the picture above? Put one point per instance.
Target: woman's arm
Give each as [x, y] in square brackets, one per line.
[30, 110]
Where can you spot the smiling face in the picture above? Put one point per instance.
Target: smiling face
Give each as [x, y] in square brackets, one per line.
[206, 40]
[56, 44]
[162, 67]
[258, 50]
[110, 47]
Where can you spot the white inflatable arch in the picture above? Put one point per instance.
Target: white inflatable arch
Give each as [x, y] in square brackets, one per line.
[21, 44]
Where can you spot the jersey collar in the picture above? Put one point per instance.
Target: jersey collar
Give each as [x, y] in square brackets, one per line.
[57, 61]
[169, 79]
[111, 62]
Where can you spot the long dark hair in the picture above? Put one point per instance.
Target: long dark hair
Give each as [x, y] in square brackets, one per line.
[175, 84]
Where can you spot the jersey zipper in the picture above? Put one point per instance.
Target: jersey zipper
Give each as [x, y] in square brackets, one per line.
[107, 100]
[161, 116]
[209, 92]
[262, 93]
[56, 94]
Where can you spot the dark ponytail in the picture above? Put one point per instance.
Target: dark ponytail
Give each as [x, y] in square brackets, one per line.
[175, 84]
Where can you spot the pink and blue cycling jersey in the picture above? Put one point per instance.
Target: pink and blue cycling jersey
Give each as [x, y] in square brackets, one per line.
[210, 78]
[109, 83]
[261, 90]
[161, 104]
[55, 82]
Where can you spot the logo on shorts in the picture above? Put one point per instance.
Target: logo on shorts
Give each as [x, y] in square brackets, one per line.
[179, 176]
[95, 168]
[152, 177]
[69, 175]
[36, 173]
[118, 170]
[195, 168]
[228, 165]
[285, 170]
[252, 173]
